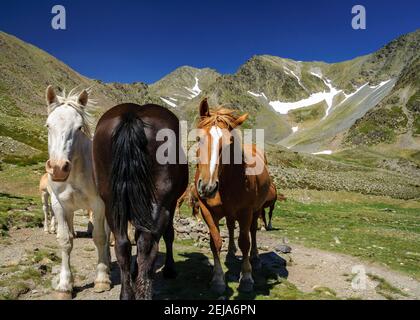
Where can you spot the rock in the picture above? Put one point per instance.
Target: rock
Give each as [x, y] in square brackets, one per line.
[184, 222]
[43, 269]
[388, 210]
[283, 248]
[194, 235]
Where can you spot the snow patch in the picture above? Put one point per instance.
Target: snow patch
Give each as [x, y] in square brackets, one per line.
[328, 152]
[170, 103]
[348, 96]
[195, 91]
[328, 97]
[258, 95]
[380, 85]
[291, 73]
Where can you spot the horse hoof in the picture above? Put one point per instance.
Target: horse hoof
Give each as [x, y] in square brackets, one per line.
[246, 286]
[218, 287]
[102, 287]
[63, 295]
[169, 273]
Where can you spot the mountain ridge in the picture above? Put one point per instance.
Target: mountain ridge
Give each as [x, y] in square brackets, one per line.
[295, 101]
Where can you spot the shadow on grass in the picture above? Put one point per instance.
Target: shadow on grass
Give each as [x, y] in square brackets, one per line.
[9, 196]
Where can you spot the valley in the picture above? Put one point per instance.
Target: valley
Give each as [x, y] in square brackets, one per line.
[342, 142]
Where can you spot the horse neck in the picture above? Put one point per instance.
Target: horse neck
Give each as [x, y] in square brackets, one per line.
[231, 170]
[82, 157]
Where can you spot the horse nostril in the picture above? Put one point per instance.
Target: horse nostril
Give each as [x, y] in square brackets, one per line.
[48, 164]
[66, 167]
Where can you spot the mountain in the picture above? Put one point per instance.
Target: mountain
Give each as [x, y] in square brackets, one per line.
[311, 107]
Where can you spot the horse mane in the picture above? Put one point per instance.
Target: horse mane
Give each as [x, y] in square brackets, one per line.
[86, 112]
[222, 117]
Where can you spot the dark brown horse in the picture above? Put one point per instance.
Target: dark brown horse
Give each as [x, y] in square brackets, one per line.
[138, 188]
[233, 189]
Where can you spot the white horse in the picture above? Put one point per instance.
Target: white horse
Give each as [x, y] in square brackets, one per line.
[71, 181]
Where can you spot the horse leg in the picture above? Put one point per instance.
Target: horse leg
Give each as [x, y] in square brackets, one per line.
[264, 219]
[53, 222]
[218, 284]
[270, 217]
[101, 240]
[246, 283]
[169, 271]
[231, 247]
[64, 287]
[70, 222]
[179, 205]
[255, 259]
[122, 248]
[147, 250]
[45, 209]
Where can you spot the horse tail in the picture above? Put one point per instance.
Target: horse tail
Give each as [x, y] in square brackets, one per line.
[132, 186]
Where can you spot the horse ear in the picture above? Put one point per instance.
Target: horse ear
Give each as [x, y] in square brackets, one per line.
[83, 98]
[204, 108]
[240, 120]
[50, 95]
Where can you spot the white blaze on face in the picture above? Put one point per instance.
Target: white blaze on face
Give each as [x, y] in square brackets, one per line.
[216, 134]
[63, 123]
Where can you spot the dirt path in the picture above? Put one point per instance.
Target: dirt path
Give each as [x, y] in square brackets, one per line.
[307, 268]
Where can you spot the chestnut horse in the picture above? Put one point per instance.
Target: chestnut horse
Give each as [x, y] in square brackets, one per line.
[136, 187]
[236, 190]
[270, 203]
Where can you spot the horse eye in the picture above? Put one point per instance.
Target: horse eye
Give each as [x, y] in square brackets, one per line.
[80, 128]
[197, 139]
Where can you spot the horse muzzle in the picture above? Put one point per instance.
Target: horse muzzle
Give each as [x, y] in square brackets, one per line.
[208, 190]
[59, 170]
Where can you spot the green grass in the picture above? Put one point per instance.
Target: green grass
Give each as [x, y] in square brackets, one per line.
[26, 276]
[21, 180]
[380, 125]
[416, 125]
[20, 212]
[385, 289]
[315, 112]
[386, 232]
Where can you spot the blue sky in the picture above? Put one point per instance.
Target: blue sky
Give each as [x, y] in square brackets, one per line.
[129, 40]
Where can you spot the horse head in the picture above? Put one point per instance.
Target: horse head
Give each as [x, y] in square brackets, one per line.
[67, 122]
[215, 137]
